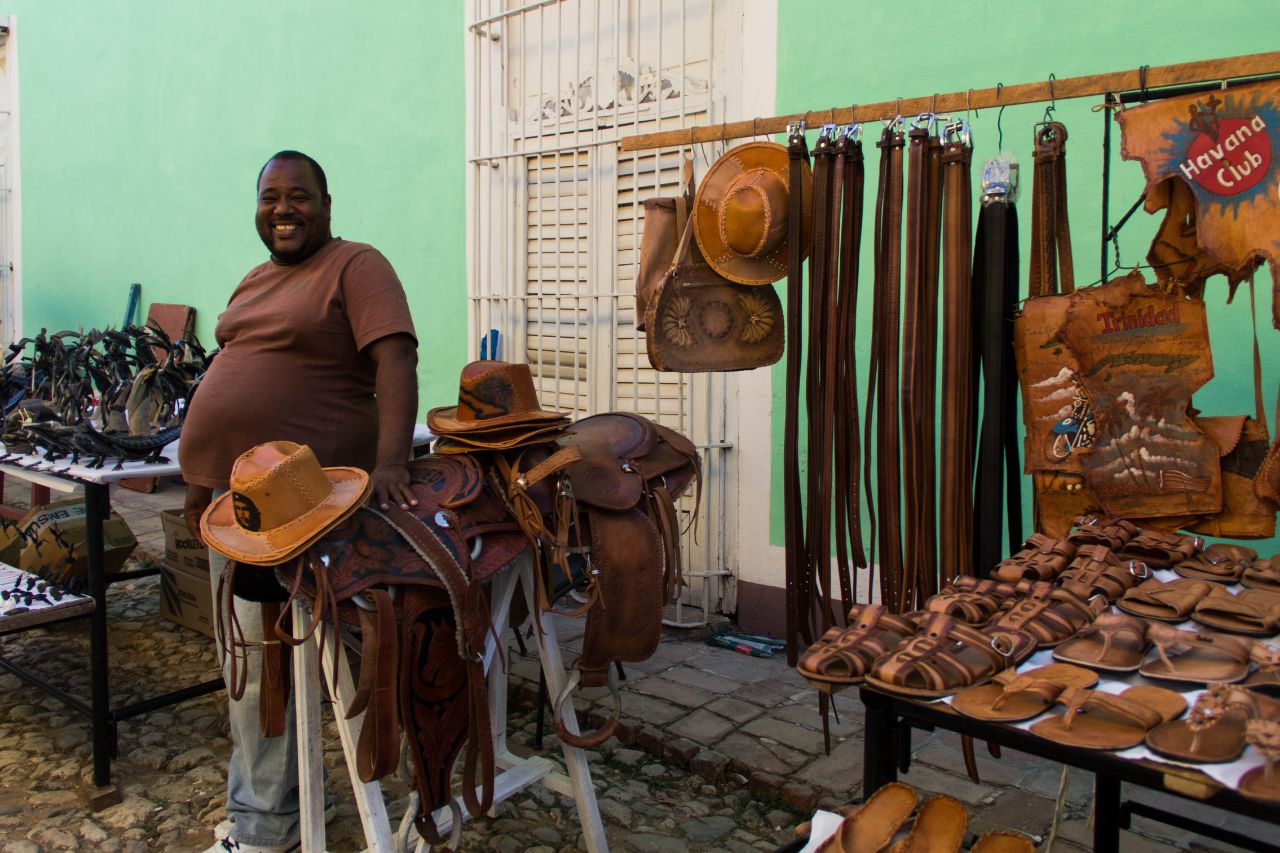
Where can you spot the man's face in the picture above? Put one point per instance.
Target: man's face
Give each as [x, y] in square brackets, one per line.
[293, 217]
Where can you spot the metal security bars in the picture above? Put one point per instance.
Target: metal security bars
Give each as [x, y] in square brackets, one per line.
[555, 217]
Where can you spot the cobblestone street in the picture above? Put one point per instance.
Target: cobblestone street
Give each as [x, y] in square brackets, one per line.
[717, 751]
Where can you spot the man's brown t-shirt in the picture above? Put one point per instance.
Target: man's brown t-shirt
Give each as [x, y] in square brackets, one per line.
[291, 367]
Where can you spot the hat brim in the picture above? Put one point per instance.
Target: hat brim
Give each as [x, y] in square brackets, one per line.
[444, 420]
[765, 269]
[218, 525]
[504, 440]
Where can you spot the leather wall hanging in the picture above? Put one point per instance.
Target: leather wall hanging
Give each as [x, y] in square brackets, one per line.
[1225, 145]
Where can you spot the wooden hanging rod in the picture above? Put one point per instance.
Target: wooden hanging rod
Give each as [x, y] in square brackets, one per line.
[1154, 77]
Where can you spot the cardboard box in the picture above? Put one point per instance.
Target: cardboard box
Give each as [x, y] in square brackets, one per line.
[181, 549]
[187, 599]
[55, 546]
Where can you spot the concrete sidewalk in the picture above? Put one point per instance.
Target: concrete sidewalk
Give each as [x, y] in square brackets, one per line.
[716, 751]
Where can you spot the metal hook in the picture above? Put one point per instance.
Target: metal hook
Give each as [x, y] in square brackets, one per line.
[1142, 82]
[999, 116]
[967, 95]
[1053, 100]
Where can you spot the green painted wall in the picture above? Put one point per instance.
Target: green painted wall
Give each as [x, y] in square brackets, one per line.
[875, 51]
[144, 124]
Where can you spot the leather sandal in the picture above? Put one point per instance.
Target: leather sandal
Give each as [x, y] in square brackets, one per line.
[1217, 566]
[1160, 548]
[1254, 612]
[1213, 731]
[1041, 558]
[1091, 530]
[1012, 697]
[970, 599]
[1049, 614]
[938, 828]
[1113, 643]
[1261, 783]
[843, 655]
[1096, 570]
[947, 655]
[1266, 678]
[874, 824]
[1263, 573]
[1165, 602]
[1098, 720]
[1198, 657]
[1002, 841]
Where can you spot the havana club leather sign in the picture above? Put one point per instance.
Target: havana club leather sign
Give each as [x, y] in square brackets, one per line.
[1225, 145]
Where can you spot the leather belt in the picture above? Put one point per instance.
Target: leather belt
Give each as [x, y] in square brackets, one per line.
[799, 633]
[883, 453]
[959, 364]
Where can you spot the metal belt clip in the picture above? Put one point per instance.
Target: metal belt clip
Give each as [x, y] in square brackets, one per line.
[957, 133]
[795, 130]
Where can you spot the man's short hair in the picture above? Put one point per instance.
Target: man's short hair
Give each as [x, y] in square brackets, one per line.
[289, 154]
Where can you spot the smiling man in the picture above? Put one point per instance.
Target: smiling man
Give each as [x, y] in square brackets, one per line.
[318, 348]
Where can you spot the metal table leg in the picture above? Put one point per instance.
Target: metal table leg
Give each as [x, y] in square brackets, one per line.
[1106, 815]
[97, 508]
[879, 766]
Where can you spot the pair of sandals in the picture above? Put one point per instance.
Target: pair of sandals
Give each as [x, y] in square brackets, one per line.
[1130, 542]
[1091, 719]
[1121, 643]
[1255, 612]
[940, 824]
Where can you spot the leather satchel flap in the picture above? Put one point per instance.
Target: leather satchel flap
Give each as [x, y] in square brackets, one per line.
[1224, 430]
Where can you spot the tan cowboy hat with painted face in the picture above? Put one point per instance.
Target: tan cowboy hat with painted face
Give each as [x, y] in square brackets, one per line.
[740, 214]
[281, 501]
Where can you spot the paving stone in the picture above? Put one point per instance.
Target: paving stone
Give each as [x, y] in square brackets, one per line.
[680, 694]
[734, 709]
[705, 830]
[740, 668]
[764, 785]
[928, 778]
[749, 754]
[702, 726]
[1045, 778]
[990, 771]
[680, 751]
[803, 715]
[650, 709]
[709, 764]
[839, 773]
[647, 843]
[802, 739]
[1015, 810]
[707, 681]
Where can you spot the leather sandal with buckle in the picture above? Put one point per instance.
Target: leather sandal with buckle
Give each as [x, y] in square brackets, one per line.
[1096, 570]
[1165, 602]
[1098, 720]
[1091, 530]
[1049, 614]
[1011, 697]
[1219, 566]
[1198, 657]
[1160, 548]
[1113, 643]
[970, 599]
[843, 655]
[1041, 558]
[947, 655]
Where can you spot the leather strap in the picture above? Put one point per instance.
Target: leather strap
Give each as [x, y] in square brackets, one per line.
[959, 366]
[799, 632]
[883, 453]
[1051, 268]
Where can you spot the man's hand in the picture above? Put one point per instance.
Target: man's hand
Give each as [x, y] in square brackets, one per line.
[391, 485]
[198, 500]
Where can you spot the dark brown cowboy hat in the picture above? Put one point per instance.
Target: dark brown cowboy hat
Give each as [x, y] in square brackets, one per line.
[281, 501]
[492, 394]
[741, 210]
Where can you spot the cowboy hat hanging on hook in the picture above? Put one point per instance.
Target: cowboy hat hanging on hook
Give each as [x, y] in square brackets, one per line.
[714, 308]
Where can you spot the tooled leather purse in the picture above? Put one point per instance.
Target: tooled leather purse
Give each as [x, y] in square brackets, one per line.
[695, 320]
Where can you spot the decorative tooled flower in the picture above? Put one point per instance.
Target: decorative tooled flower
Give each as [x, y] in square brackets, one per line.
[760, 317]
[675, 322]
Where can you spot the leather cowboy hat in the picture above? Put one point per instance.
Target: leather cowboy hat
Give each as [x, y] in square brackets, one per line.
[281, 501]
[492, 395]
[741, 210]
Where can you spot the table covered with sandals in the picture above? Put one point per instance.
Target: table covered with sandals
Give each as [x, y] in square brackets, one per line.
[1143, 656]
